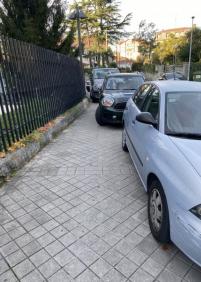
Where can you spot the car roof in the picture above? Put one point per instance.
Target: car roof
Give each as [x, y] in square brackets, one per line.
[177, 85]
[124, 74]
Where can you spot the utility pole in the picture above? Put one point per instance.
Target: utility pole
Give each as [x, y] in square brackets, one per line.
[79, 33]
[190, 50]
[77, 15]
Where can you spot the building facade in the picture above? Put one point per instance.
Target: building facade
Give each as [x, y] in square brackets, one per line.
[177, 32]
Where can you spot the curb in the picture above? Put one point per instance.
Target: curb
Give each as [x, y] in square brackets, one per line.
[16, 160]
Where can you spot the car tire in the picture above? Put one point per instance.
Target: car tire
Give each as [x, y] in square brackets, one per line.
[93, 100]
[124, 146]
[158, 213]
[98, 117]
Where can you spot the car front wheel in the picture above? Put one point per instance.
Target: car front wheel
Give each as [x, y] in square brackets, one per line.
[99, 117]
[158, 212]
[124, 145]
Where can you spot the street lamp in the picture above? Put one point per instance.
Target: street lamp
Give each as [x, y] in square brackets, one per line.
[190, 50]
[78, 15]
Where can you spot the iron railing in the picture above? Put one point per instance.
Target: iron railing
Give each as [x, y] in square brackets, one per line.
[36, 85]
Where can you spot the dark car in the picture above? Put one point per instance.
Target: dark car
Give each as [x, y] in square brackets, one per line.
[97, 79]
[172, 76]
[116, 91]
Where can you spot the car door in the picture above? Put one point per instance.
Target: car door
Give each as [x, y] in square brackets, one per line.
[133, 108]
[146, 135]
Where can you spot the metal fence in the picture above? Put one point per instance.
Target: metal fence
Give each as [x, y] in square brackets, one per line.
[36, 85]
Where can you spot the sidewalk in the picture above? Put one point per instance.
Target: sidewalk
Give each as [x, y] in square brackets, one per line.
[77, 212]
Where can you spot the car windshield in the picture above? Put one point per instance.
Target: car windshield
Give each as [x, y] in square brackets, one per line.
[183, 114]
[101, 73]
[175, 75]
[123, 82]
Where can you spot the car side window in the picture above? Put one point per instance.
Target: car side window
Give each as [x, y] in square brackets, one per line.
[141, 95]
[151, 103]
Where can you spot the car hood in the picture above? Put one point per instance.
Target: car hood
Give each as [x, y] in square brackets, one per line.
[98, 82]
[120, 94]
[191, 149]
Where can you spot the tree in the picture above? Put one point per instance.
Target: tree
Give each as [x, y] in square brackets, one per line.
[168, 50]
[196, 46]
[146, 35]
[103, 23]
[41, 22]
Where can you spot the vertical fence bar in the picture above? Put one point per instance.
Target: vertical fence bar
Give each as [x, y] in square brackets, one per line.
[6, 95]
[14, 77]
[10, 59]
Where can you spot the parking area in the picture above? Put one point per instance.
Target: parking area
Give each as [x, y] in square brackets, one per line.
[77, 212]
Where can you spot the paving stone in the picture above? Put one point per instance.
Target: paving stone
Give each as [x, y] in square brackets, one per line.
[113, 276]
[49, 268]
[3, 266]
[137, 256]
[54, 248]
[193, 276]
[8, 276]
[46, 239]
[63, 257]
[32, 248]
[100, 267]
[34, 276]
[15, 258]
[113, 257]
[9, 248]
[141, 276]
[24, 240]
[87, 276]
[60, 276]
[168, 276]
[178, 267]
[126, 267]
[152, 267]
[23, 268]
[74, 267]
[68, 239]
[39, 257]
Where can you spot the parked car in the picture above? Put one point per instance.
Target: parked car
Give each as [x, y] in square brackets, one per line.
[162, 132]
[97, 79]
[117, 89]
[173, 76]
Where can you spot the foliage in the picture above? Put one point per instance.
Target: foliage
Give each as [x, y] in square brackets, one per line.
[103, 24]
[113, 65]
[146, 35]
[147, 68]
[167, 50]
[196, 46]
[41, 22]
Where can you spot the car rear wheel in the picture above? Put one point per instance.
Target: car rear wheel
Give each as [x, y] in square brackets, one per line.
[124, 146]
[158, 212]
[98, 117]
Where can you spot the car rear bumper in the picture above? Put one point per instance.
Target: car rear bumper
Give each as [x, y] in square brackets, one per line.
[186, 234]
[95, 95]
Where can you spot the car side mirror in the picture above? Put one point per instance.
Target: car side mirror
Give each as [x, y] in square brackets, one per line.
[146, 118]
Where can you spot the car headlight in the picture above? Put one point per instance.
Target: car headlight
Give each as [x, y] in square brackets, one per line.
[107, 101]
[196, 211]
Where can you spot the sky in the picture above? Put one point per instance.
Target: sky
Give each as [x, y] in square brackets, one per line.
[165, 14]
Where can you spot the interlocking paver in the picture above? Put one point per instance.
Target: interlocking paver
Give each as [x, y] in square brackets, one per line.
[78, 212]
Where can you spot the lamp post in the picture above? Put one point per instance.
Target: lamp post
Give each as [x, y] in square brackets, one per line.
[190, 50]
[77, 15]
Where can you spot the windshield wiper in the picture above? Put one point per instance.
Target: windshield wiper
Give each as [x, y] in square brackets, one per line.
[185, 135]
